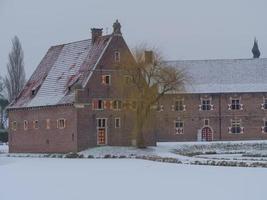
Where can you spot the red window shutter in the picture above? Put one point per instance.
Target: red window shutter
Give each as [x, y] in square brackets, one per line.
[103, 79]
[95, 104]
[107, 104]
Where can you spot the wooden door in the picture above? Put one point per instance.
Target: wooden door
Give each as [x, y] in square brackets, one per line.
[101, 136]
[206, 134]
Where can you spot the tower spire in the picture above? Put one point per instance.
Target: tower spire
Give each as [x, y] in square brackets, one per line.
[255, 50]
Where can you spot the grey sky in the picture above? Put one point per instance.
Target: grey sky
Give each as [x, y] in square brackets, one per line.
[182, 29]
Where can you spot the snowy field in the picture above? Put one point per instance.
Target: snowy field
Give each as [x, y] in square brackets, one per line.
[120, 179]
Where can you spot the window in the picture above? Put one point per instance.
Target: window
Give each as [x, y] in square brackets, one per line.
[117, 105]
[236, 126]
[117, 56]
[264, 104]
[101, 122]
[264, 128]
[206, 122]
[205, 104]
[98, 104]
[26, 125]
[14, 125]
[179, 105]
[134, 105]
[159, 107]
[35, 124]
[179, 127]
[61, 123]
[47, 123]
[106, 79]
[127, 79]
[235, 104]
[117, 122]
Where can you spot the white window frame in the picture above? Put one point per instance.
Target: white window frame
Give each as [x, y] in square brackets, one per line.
[35, 122]
[230, 106]
[117, 56]
[264, 104]
[179, 130]
[233, 122]
[48, 124]
[14, 125]
[117, 103]
[210, 105]
[64, 123]
[179, 106]
[103, 79]
[119, 120]
[264, 127]
[25, 125]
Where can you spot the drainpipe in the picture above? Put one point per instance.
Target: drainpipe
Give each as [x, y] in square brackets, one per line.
[220, 117]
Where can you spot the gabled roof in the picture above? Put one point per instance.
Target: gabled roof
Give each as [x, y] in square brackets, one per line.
[224, 76]
[62, 66]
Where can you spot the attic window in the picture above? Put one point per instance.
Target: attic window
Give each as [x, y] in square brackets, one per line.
[33, 92]
[117, 56]
[106, 79]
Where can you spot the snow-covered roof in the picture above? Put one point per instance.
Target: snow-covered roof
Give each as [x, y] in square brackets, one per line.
[224, 76]
[62, 66]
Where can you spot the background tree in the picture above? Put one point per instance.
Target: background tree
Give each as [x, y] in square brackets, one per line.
[3, 104]
[151, 79]
[15, 78]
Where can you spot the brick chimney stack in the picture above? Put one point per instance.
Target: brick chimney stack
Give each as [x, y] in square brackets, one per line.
[96, 32]
[149, 57]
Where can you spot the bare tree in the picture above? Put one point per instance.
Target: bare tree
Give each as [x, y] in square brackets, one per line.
[15, 78]
[150, 81]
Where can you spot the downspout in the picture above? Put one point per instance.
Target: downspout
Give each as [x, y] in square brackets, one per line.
[220, 117]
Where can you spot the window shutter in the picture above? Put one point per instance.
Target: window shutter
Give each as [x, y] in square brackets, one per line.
[229, 129]
[172, 107]
[242, 129]
[199, 107]
[262, 129]
[262, 106]
[103, 79]
[211, 107]
[229, 107]
[184, 107]
[241, 107]
[95, 104]
[161, 107]
[107, 104]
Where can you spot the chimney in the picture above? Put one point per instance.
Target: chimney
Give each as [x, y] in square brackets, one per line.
[149, 57]
[96, 32]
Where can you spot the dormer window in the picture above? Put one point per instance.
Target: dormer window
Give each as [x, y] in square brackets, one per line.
[117, 56]
[235, 104]
[178, 105]
[205, 104]
[106, 79]
[33, 92]
[264, 104]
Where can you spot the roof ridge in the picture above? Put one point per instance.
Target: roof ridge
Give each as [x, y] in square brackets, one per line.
[79, 41]
[217, 59]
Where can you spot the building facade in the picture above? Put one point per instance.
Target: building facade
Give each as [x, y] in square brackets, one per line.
[73, 101]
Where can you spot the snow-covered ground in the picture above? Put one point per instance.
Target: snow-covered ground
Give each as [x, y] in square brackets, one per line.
[79, 179]
[238, 153]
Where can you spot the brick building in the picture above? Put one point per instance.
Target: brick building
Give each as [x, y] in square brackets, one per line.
[71, 101]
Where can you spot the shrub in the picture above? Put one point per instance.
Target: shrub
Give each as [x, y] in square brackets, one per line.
[3, 135]
[90, 156]
[72, 155]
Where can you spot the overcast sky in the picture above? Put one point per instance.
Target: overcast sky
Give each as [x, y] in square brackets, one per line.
[182, 29]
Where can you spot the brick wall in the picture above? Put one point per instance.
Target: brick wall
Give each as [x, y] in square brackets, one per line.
[42, 139]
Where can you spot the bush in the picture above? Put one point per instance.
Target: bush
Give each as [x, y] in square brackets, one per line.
[3, 135]
[90, 156]
[72, 155]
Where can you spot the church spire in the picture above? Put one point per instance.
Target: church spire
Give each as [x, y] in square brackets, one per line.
[255, 50]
